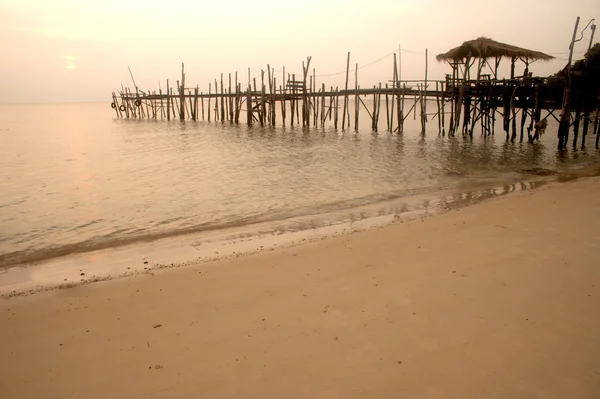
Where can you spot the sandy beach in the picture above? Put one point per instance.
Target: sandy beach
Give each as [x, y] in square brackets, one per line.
[497, 300]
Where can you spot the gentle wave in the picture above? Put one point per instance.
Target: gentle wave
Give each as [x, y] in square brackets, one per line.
[119, 237]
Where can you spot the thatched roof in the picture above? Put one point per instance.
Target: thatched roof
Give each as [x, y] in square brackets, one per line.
[488, 48]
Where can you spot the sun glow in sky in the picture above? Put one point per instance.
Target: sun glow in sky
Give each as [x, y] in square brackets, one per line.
[70, 61]
[102, 38]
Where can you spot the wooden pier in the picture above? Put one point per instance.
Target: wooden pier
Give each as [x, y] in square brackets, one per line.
[462, 104]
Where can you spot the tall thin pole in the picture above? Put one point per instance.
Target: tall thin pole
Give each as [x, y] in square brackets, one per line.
[563, 128]
[346, 92]
[593, 28]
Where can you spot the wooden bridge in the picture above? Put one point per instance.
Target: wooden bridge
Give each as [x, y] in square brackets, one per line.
[463, 104]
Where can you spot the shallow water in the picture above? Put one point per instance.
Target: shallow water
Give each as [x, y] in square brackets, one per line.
[74, 179]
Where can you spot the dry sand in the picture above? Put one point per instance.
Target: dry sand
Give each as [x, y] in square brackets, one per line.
[498, 300]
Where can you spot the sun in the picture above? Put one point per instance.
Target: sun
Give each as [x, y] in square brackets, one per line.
[70, 61]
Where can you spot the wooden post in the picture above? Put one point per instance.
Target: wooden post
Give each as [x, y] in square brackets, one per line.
[512, 68]
[443, 100]
[195, 114]
[230, 102]
[162, 109]
[596, 131]
[238, 102]
[425, 87]
[400, 98]
[378, 107]
[305, 109]
[315, 99]
[586, 124]
[271, 102]
[293, 100]
[115, 105]
[374, 122]
[452, 93]
[565, 116]
[283, 100]
[209, 97]
[387, 107]
[335, 108]
[263, 108]
[168, 102]
[249, 104]
[222, 101]
[395, 95]
[182, 95]
[217, 101]
[513, 122]
[356, 108]
[202, 104]
[174, 102]
[523, 115]
[237, 99]
[346, 92]
[322, 104]
[576, 127]
[439, 111]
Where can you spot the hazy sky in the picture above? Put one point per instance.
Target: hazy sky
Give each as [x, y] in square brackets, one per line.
[79, 50]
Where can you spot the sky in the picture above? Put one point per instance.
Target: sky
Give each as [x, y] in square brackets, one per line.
[80, 50]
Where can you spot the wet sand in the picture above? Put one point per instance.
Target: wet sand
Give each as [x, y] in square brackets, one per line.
[497, 300]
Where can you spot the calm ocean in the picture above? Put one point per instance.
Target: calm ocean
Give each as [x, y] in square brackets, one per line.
[75, 179]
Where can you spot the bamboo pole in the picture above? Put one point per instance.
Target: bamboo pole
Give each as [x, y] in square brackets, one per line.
[322, 104]
[249, 116]
[222, 101]
[293, 100]
[168, 102]
[273, 101]
[576, 127]
[174, 102]
[230, 102]
[271, 97]
[565, 116]
[315, 99]
[442, 109]
[195, 114]
[346, 92]
[374, 122]
[237, 99]
[217, 101]
[115, 105]
[356, 108]
[425, 86]
[182, 95]
[439, 111]
[283, 101]
[162, 110]
[378, 107]
[209, 97]
[262, 98]
[395, 95]
[335, 108]
[387, 108]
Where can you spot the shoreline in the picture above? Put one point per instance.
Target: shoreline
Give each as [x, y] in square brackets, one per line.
[495, 300]
[221, 244]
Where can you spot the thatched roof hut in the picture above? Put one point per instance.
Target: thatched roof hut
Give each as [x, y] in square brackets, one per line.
[488, 48]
